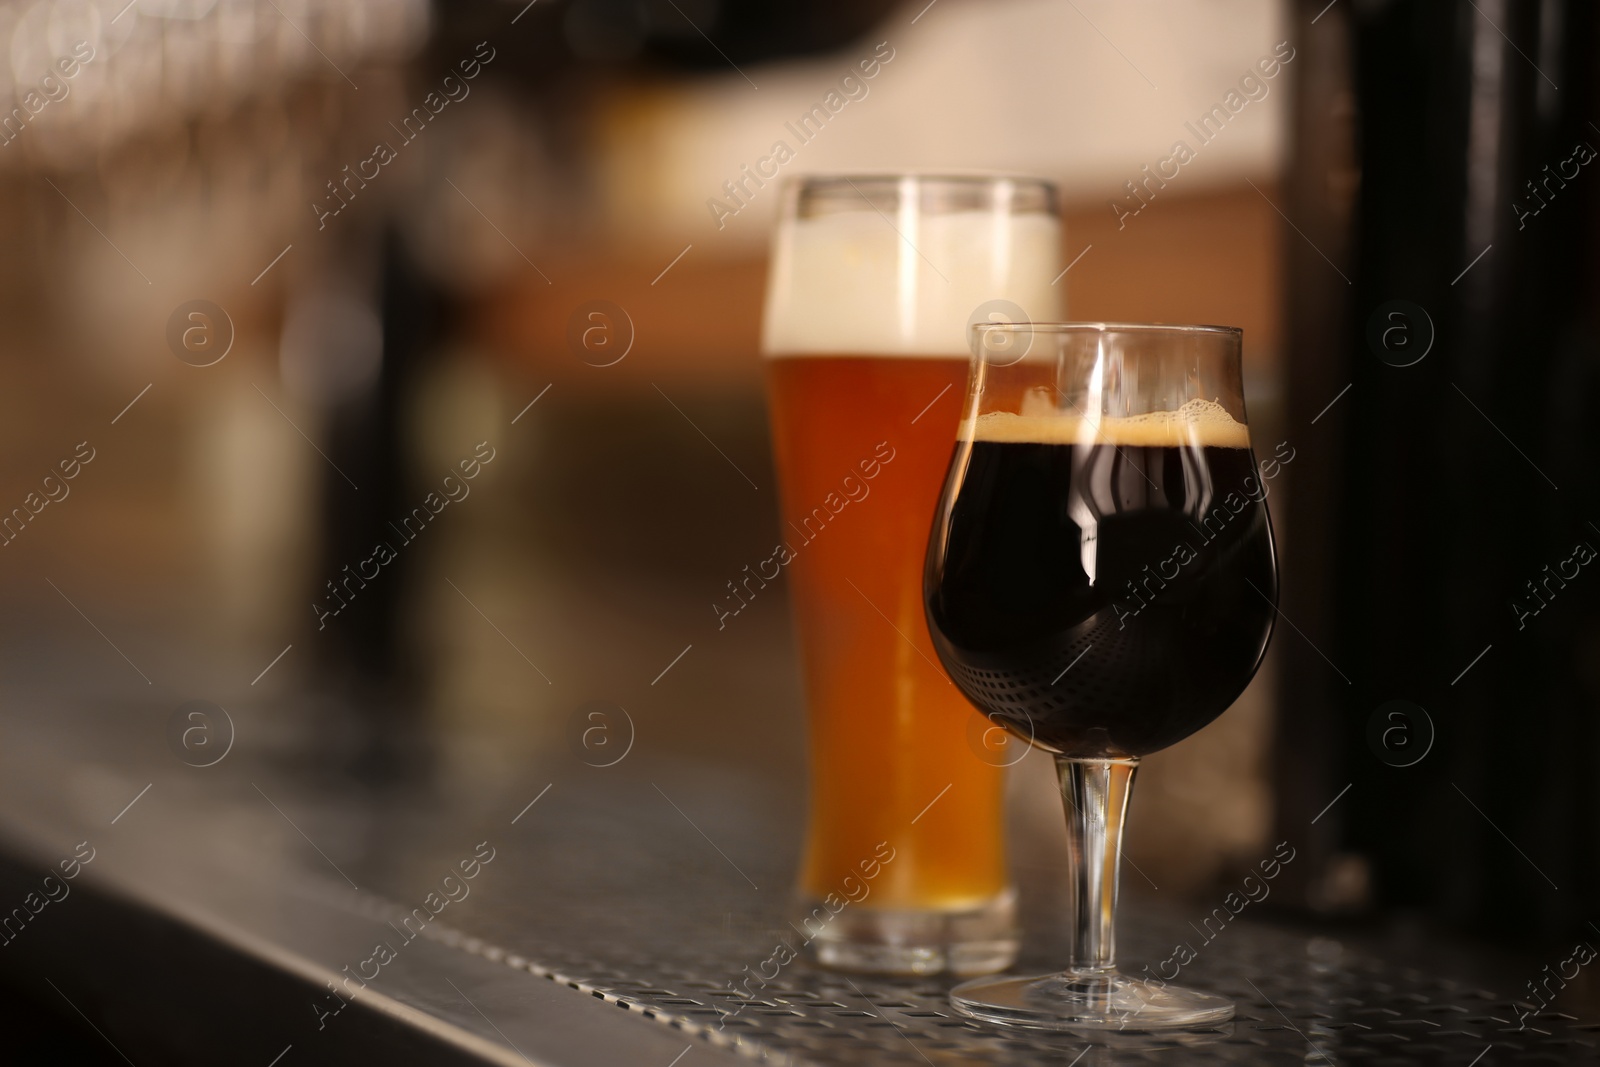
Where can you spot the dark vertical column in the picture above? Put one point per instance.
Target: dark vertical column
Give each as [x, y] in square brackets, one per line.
[364, 667]
[1462, 476]
[1318, 194]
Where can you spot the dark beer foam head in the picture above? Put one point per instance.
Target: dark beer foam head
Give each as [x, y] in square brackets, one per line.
[1198, 423]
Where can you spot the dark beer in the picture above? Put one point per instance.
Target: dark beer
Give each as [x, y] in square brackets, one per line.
[1103, 594]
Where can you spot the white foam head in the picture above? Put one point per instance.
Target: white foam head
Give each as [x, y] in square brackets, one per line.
[904, 283]
[1198, 423]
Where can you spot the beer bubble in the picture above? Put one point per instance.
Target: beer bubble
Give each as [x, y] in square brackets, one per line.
[601, 733]
[200, 733]
[999, 348]
[993, 743]
[1400, 733]
[199, 332]
[1400, 333]
[600, 333]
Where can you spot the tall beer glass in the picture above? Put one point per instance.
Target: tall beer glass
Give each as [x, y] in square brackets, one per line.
[874, 283]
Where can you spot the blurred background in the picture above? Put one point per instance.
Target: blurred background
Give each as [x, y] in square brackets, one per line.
[274, 268]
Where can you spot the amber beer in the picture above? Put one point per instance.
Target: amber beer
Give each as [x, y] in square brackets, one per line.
[872, 287]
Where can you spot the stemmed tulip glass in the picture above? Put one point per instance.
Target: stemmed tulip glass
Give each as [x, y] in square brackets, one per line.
[1100, 581]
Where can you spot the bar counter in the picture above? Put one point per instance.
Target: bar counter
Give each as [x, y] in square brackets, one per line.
[266, 910]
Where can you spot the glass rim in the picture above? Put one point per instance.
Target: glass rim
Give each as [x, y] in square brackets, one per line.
[884, 179]
[1109, 327]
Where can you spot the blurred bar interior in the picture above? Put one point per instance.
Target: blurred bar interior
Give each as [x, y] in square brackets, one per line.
[275, 270]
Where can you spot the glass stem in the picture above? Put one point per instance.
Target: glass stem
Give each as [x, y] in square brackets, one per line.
[1095, 794]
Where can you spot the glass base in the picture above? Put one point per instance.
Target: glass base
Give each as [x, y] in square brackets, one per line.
[915, 941]
[1088, 1000]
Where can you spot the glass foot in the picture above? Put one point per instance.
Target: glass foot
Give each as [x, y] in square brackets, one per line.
[1087, 1000]
[914, 941]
